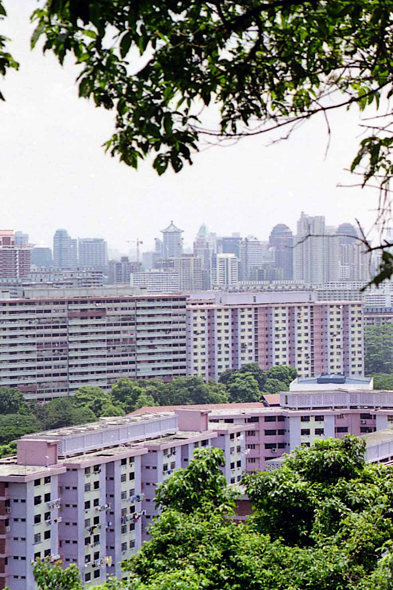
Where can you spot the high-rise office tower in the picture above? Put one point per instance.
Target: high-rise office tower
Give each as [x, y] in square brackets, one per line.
[253, 254]
[310, 250]
[281, 239]
[120, 270]
[189, 270]
[226, 270]
[172, 242]
[65, 250]
[21, 239]
[41, 255]
[93, 253]
[203, 249]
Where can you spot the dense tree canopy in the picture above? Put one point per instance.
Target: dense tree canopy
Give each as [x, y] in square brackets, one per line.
[383, 381]
[378, 348]
[321, 522]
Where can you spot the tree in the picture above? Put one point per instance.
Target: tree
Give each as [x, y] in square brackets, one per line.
[322, 521]
[144, 400]
[378, 344]
[6, 59]
[111, 410]
[125, 394]
[51, 575]
[255, 370]
[383, 381]
[201, 485]
[12, 401]
[275, 386]
[93, 398]
[62, 412]
[282, 373]
[13, 426]
[266, 65]
[8, 450]
[243, 388]
[193, 390]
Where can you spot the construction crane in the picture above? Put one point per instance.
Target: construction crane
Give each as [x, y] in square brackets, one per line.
[138, 242]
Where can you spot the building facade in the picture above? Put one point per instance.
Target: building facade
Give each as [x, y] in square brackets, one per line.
[93, 253]
[172, 245]
[85, 495]
[65, 250]
[225, 331]
[56, 341]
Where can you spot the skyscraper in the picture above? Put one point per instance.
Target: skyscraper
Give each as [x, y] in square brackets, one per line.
[226, 271]
[281, 239]
[203, 250]
[93, 253]
[65, 250]
[41, 255]
[172, 242]
[309, 251]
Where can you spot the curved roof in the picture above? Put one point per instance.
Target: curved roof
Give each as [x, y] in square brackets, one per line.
[172, 229]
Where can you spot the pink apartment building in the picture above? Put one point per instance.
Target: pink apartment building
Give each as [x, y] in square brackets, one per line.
[227, 330]
[85, 494]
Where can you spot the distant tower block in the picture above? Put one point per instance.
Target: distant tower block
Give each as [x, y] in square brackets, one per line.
[172, 242]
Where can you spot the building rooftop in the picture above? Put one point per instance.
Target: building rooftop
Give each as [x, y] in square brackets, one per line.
[171, 229]
[380, 436]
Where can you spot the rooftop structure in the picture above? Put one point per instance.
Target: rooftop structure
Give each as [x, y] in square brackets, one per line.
[331, 381]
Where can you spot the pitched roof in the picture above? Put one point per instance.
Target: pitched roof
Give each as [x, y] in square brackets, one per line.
[172, 229]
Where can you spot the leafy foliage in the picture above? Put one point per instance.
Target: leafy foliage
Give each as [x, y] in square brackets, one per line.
[52, 576]
[378, 344]
[322, 521]
[200, 486]
[13, 426]
[6, 59]
[264, 64]
[383, 381]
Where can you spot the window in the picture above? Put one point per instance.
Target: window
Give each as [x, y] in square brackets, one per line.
[96, 502]
[342, 429]
[123, 477]
[305, 432]
[281, 432]
[47, 497]
[47, 479]
[251, 433]
[252, 419]
[270, 418]
[131, 475]
[87, 577]
[96, 573]
[319, 418]
[47, 535]
[87, 523]
[37, 518]
[124, 546]
[37, 482]
[270, 432]
[87, 505]
[124, 461]
[319, 431]
[37, 538]
[87, 487]
[305, 419]
[96, 485]
[37, 500]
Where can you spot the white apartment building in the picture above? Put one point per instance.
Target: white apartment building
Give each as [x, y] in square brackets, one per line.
[59, 340]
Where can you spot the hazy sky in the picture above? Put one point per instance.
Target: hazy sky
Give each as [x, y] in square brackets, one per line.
[54, 172]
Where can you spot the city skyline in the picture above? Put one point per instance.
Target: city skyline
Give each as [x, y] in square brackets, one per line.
[67, 180]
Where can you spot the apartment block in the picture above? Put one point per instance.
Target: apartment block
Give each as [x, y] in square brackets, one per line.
[54, 344]
[85, 495]
[225, 331]
[335, 407]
